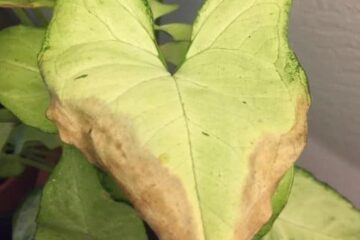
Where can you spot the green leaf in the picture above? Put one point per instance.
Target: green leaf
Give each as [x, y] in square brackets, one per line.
[109, 184]
[26, 3]
[178, 31]
[75, 206]
[22, 90]
[203, 149]
[174, 52]
[160, 9]
[24, 223]
[279, 201]
[315, 212]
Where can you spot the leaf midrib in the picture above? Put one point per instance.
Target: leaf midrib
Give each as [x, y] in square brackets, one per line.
[182, 104]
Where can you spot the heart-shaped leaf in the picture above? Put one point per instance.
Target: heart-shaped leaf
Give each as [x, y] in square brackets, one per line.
[75, 206]
[201, 152]
[315, 212]
[22, 89]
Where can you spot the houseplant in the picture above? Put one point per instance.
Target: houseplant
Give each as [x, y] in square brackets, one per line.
[204, 153]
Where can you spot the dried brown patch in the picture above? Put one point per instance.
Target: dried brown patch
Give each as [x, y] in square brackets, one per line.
[273, 156]
[109, 142]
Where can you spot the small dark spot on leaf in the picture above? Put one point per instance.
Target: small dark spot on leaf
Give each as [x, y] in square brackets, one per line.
[206, 134]
[90, 131]
[81, 76]
[244, 102]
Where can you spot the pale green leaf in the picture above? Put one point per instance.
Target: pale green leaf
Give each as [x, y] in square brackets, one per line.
[178, 31]
[22, 89]
[315, 212]
[160, 9]
[203, 149]
[75, 206]
[174, 52]
[26, 3]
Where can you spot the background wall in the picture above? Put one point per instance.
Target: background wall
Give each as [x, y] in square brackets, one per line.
[325, 34]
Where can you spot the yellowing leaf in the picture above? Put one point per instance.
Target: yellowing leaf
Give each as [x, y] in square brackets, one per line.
[201, 152]
[160, 9]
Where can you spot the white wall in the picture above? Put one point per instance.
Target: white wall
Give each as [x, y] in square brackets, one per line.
[325, 34]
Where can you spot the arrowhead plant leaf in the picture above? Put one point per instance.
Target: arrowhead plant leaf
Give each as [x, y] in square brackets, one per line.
[174, 52]
[22, 89]
[315, 212]
[75, 206]
[200, 152]
[178, 31]
[160, 9]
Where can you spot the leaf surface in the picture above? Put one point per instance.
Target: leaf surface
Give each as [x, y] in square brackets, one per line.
[201, 152]
[174, 52]
[178, 31]
[160, 9]
[75, 206]
[22, 89]
[315, 212]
